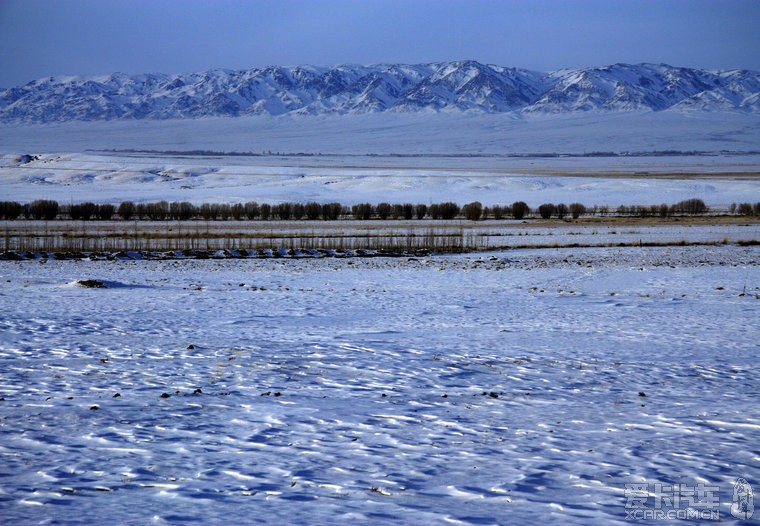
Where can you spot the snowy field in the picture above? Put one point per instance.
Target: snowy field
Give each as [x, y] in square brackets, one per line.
[494, 159]
[77, 177]
[518, 387]
[417, 133]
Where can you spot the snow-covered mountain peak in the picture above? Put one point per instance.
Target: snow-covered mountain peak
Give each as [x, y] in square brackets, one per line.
[462, 85]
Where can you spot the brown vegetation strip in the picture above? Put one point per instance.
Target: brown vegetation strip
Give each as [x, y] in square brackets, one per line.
[394, 252]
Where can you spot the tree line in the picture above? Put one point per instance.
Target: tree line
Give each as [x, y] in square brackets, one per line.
[46, 209]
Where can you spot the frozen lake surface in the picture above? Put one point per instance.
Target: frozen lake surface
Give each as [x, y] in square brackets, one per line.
[514, 387]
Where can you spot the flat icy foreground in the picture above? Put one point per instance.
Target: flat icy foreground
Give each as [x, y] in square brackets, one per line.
[517, 387]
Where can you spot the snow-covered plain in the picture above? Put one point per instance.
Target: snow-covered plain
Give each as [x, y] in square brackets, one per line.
[348, 180]
[516, 387]
[512, 387]
[366, 158]
[419, 133]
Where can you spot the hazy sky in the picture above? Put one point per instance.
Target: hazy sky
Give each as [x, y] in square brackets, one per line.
[40, 38]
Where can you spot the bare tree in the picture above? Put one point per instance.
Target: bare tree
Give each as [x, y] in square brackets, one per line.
[473, 211]
[546, 210]
[520, 209]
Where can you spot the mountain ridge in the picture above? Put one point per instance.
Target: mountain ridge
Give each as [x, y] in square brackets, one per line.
[463, 86]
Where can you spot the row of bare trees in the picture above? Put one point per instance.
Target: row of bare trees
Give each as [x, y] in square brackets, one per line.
[45, 209]
[183, 211]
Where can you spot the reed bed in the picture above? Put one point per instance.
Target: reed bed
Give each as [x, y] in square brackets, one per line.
[433, 236]
[140, 236]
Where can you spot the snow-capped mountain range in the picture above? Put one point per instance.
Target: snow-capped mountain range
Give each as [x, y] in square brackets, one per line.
[349, 89]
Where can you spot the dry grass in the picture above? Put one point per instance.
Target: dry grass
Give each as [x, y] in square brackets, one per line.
[400, 235]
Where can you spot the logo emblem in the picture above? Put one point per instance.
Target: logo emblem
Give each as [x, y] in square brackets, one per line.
[743, 503]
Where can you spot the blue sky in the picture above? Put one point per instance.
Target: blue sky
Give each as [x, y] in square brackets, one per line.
[41, 38]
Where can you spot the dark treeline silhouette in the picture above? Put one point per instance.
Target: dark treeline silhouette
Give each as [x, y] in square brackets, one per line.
[44, 209]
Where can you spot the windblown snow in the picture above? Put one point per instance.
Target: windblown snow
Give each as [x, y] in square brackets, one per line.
[527, 386]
